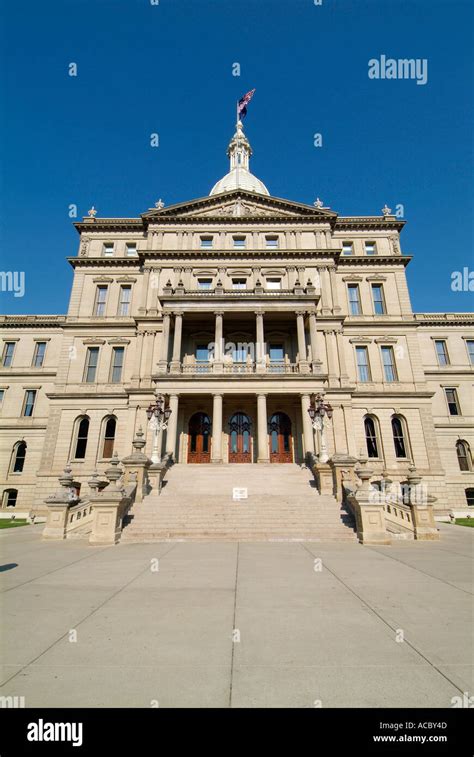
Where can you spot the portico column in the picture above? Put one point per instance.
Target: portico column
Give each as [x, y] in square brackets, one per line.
[303, 362]
[308, 433]
[165, 338]
[172, 430]
[178, 330]
[218, 339]
[260, 344]
[216, 452]
[342, 357]
[313, 335]
[263, 456]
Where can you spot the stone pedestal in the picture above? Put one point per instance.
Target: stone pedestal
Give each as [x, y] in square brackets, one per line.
[368, 505]
[57, 520]
[343, 472]
[421, 506]
[156, 474]
[324, 478]
[106, 518]
[136, 467]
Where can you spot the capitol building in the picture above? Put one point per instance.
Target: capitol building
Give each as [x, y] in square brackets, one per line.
[238, 309]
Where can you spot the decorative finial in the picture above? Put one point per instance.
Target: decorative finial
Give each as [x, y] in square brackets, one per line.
[386, 210]
[92, 212]
[160, 204]
[319, 203]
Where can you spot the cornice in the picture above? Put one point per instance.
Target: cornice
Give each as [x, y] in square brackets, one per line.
[444, 319]
[104, 262]
[369, 222]
[373, 260]
[108, 224]
[38, 321]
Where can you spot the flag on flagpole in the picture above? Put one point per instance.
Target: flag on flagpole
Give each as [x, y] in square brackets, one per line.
[242, 104]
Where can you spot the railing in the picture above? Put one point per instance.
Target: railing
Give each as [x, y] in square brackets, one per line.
[197, 368]
[240, 368]
[274, 367]
[79, 518]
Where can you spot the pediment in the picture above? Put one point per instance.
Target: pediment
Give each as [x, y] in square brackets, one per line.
[238, 204]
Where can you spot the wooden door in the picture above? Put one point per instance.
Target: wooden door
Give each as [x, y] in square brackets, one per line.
[281, 447]
[199, 439]
[240, 443]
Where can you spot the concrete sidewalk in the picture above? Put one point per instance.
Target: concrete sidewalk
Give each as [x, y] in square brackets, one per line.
[172, 636]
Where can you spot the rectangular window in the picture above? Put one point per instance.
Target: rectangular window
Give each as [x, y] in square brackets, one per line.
[239, 242]
[131, 249]
[7, 357]
[347, 248]
[388, 360]
[354, 299]
[378, 299]
[2, 396]
[363, 367]
[202, 353]
[92, 359]
[38, 357]
[117, 364]
[206, 243]
[370, 248]
[204, 283]
[29, 403]
[125, 299]
[239, 354]
[239, 283]
[442, 352]
[453, 402]
[108, 249]
[271, 242]
[276, 353]
[273, 283]
[470, 350]
[100, 300]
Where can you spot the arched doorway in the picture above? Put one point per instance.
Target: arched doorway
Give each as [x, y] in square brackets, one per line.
[240, 444]
[199, 438]
[279, 430]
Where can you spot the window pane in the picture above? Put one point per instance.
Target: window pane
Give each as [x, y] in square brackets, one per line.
[101, 297]
[81, 441]
[239, 283]
[442, 352]
[273, 283]
[40, 350]
[398, 440]
[354, 300]
[202, 353]
[371, 438]
[8, 351]
[363, 364]
[370, 248]
[125, 298]
[277, 353]
[377, 295]
[347, 248]
[117, 364]
[463, 454]
[388, 364]
[20, 454]
[131, 248]
[91, 364]
[452, 399]
[30, 397]
[470, 350]
[206, 242]
[204, 283]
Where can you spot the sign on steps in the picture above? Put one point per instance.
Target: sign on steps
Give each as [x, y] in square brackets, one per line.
[239, 493]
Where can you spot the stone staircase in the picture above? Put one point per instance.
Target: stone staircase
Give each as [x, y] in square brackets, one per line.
[196, 504]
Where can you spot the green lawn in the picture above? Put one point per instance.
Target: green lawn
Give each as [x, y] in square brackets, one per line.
[4, 523]
[465, 522]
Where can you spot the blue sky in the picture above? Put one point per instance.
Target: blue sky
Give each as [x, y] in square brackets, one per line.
[167, 68]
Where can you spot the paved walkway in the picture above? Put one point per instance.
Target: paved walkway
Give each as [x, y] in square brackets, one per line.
[306, 635]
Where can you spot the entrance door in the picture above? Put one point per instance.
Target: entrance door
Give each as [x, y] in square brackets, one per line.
[280, 439]
[199, 439]
[239, 439]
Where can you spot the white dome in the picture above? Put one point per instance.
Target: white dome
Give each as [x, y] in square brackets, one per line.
[239, 178]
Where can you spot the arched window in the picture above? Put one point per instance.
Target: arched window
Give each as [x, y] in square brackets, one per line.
[9, 498]
[398, 433]
[371, 437]
[18, 457]
[464, 455]
[82, 432]
[110, 425]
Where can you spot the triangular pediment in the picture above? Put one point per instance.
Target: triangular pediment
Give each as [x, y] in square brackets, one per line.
[239, 204]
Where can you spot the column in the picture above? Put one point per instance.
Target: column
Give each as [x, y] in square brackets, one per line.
[165, 338]
[145, 290]
[326, 299]
[153, 288]
[216, 451]
[331, 353]
[342, 358]
[178, 328]
[303, 362]
[263, 455]
[332, 278]
[218, 339]
[260, 343]
[172, 430]
[138, 359]
[308, 433]
[313, 335]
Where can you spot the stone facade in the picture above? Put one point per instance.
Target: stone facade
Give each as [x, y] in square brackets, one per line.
[238, 306]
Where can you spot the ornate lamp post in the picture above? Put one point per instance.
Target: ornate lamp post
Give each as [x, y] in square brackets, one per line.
[158, 417]
[318, 411]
